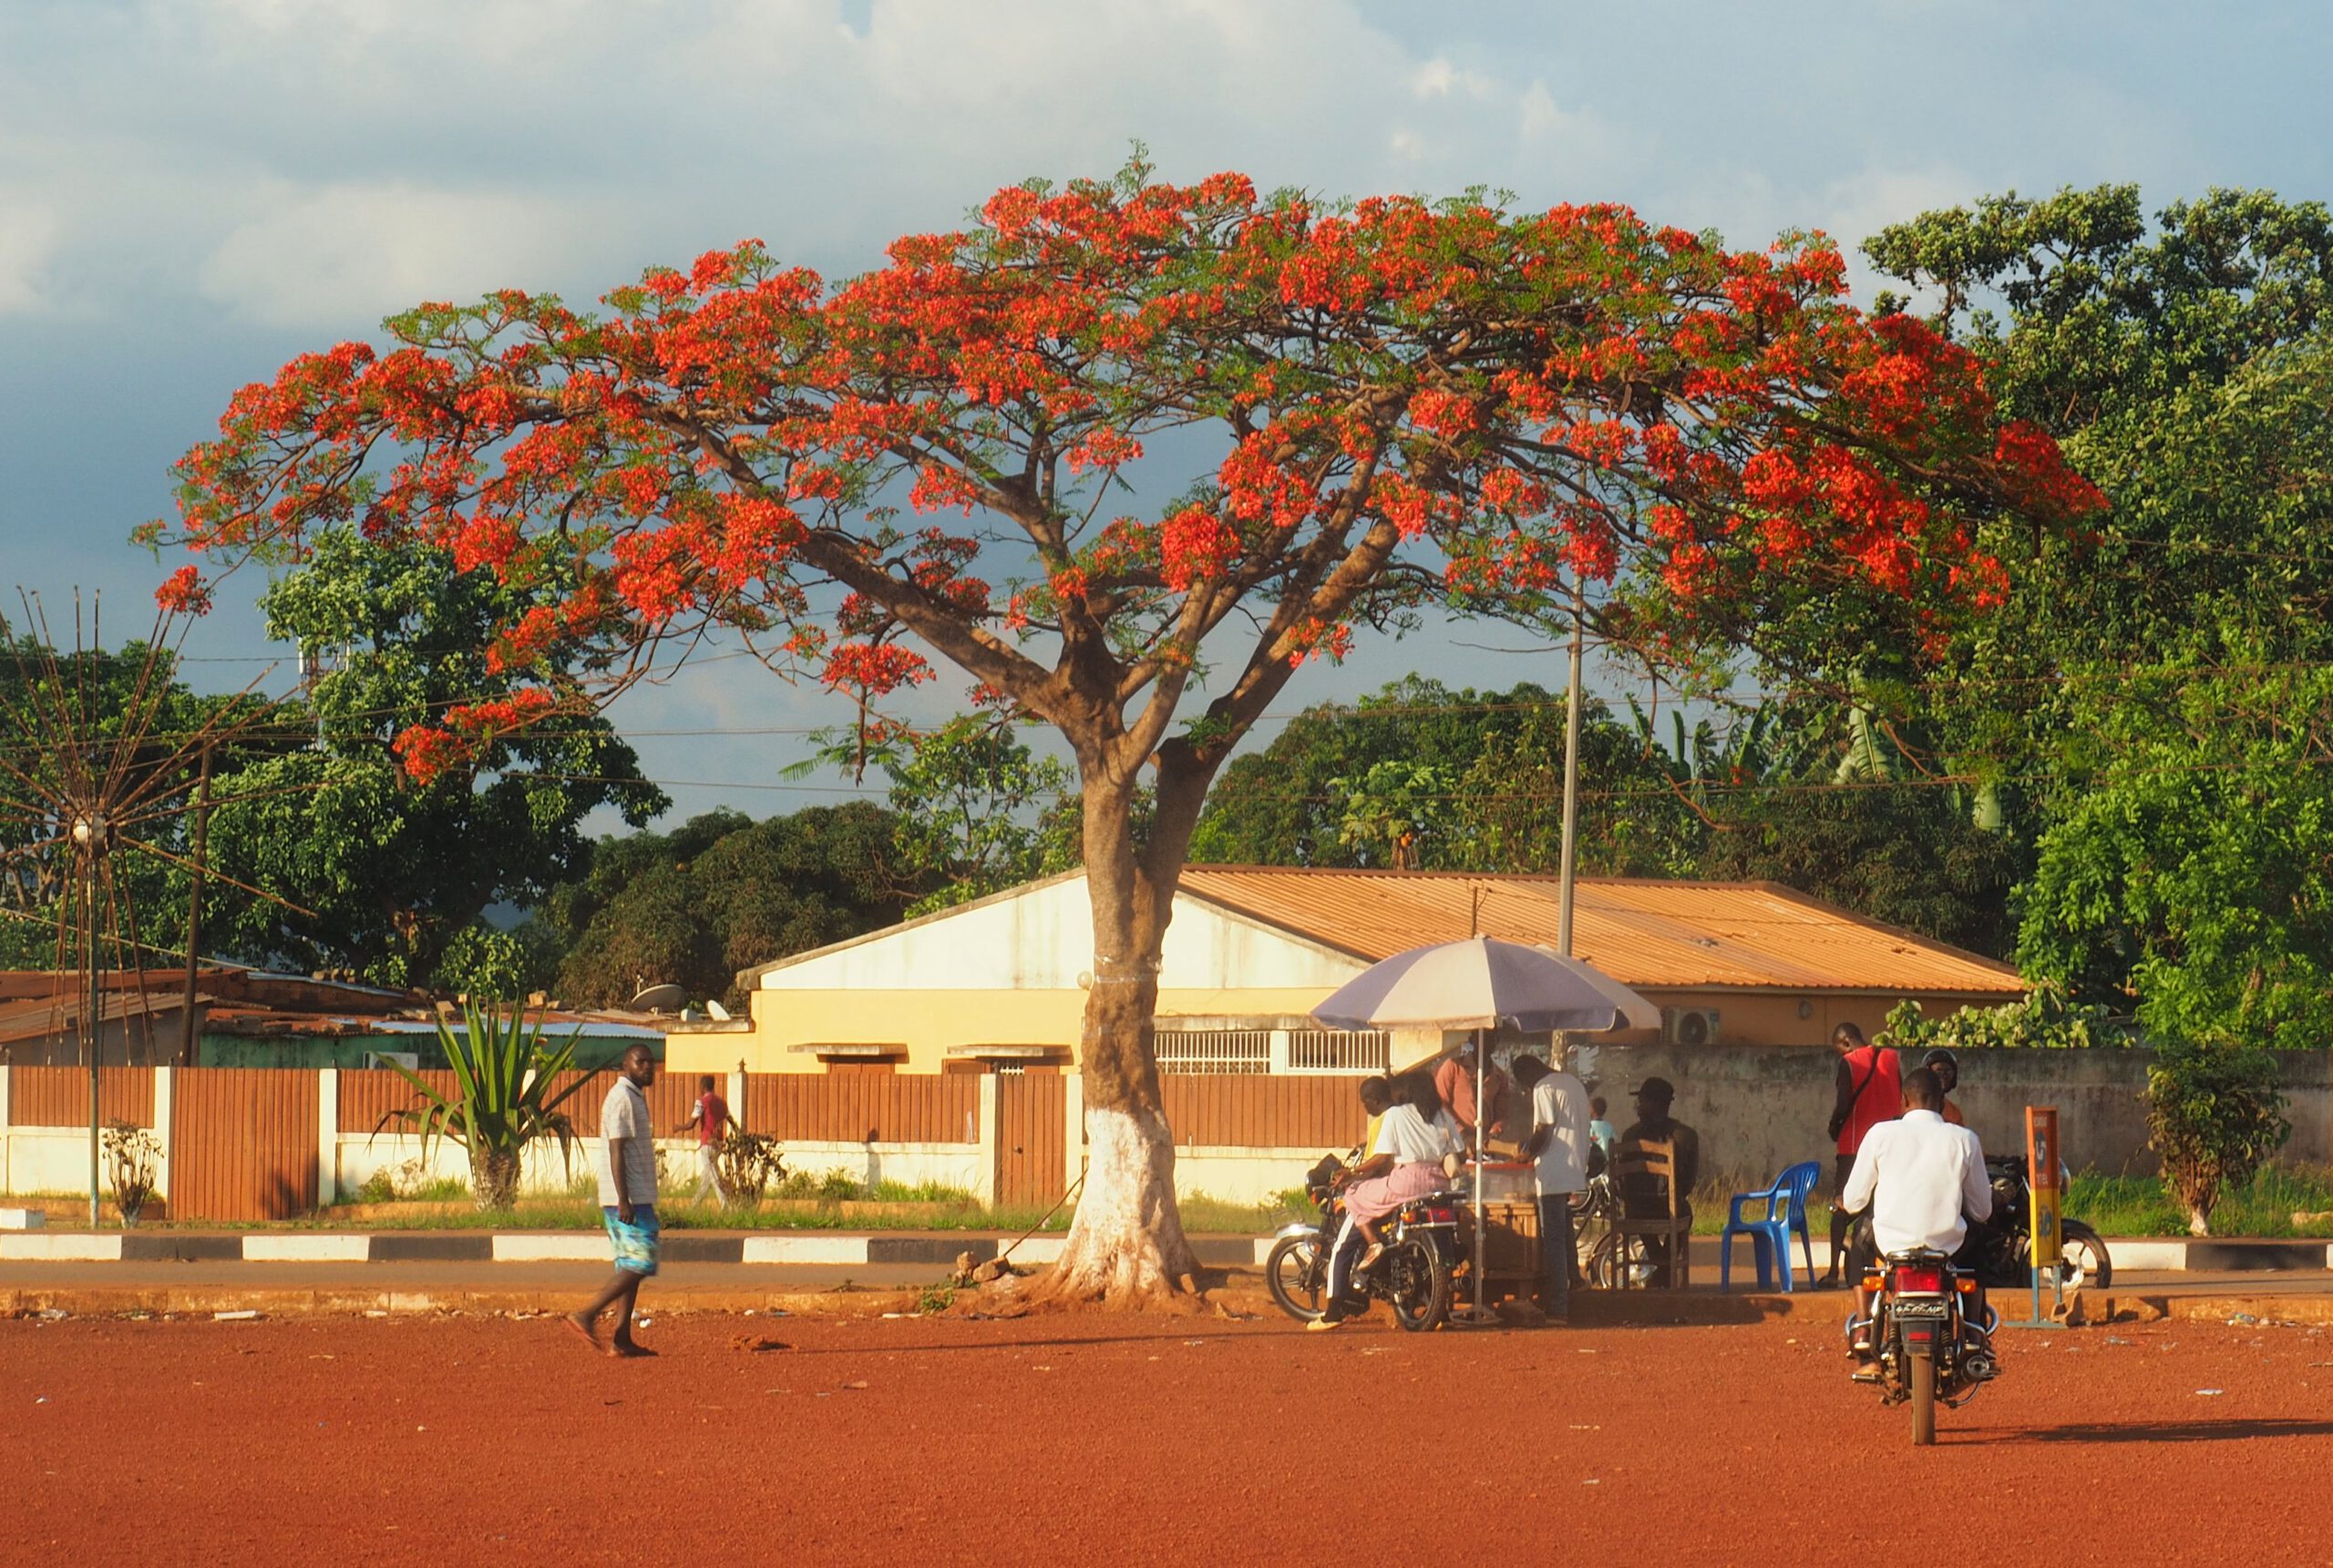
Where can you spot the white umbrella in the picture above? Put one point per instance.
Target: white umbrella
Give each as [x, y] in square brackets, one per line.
[1481, 983]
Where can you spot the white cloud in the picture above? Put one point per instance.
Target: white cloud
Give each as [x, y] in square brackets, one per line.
[27, 239]
[345, 253]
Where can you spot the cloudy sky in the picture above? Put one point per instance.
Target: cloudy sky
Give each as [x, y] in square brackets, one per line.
[190, 191]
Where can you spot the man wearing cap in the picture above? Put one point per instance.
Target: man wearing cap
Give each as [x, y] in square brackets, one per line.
[1644, 1195]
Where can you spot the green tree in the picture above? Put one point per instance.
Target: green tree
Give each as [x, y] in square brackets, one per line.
[753, 893]
[2150, 678]
[2192, 861]
[393, 869]
[2215, 1115]
[969, 798]
[1494, 763]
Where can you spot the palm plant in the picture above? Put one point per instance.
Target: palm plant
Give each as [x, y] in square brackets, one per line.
[503, 1074]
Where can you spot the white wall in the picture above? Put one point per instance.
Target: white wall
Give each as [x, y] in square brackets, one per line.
[1042, 939]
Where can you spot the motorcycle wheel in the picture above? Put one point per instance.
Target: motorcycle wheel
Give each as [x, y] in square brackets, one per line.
[1417, 1285]
[1605, 1263]
[1296, 1278]
[1923, 1371]
[2081, 1257]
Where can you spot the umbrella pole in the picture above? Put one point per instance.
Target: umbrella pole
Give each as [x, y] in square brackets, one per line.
[1481, 1078]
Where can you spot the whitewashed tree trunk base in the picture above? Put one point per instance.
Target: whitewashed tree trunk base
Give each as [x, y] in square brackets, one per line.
[1125, 1248]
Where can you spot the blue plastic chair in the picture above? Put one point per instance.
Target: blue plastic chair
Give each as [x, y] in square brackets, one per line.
[1770, 1232]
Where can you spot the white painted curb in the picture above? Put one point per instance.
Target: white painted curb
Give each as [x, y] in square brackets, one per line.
[24, 1219]
[306, 1248]
[64, 1248]
[2149, 1255]
[1038, 1249]
[580, 1248]
[806, 1249]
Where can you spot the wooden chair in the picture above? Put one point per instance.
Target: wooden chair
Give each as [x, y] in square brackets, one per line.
[1649, 1157]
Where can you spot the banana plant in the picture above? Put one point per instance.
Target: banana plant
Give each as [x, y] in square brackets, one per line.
[503, 1074]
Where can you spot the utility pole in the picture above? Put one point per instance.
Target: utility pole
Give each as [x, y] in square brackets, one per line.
[89, 835]
[194, 908]
[1571, 761]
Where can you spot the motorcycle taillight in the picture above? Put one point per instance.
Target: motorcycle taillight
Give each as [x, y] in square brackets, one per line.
[1442, 1216]
[1919, 1279]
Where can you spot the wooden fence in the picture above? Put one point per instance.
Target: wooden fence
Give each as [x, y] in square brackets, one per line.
[243, 1143]
[863, 1107]
[260, 1143]
[1250, 1112]
[59, 1096]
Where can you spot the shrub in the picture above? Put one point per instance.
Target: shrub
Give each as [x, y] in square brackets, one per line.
[502, 1101]
[2216, 1114]
[746, 1163]
[2044, 1021]
[132, 1154]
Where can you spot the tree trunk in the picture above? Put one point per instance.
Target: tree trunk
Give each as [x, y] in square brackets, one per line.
[1125, 1247]
[494, 1177]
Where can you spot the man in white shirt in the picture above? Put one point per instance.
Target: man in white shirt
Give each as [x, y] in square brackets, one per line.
[1922, 1179]
[1557, 1150]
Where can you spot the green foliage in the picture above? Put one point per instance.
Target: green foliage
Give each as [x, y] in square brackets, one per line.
[1473, 780]
[2195, 866]
[2043, 1020]
[503, 1101]
[2215, 1115]
[481, 960]
[2154, 676]
[395, 872]
[695, 908]
[969, 798]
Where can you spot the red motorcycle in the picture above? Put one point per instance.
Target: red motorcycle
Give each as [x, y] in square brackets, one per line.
[1928, 1345]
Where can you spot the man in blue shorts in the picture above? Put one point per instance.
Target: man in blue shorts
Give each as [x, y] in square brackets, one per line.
[627, 1200]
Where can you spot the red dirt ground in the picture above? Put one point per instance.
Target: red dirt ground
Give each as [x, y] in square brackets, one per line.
[1089, 1439]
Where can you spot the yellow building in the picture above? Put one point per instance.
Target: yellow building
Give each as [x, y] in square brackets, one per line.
[1001, 982]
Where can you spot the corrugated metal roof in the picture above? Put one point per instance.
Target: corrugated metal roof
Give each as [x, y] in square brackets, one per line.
[1669, 936]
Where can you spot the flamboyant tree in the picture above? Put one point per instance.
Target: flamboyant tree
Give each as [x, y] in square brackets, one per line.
[1372, 410]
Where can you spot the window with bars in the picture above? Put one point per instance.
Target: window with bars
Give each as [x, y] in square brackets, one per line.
[1339, 1051]
[1236, 1050]
[1213, 1049]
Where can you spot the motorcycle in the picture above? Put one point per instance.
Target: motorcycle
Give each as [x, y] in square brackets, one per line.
[2004, 1253]
[1424, 1249]
[1926, 1349]
[2001, 1248]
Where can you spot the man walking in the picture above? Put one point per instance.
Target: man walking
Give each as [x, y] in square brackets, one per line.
[1558, 1147]
[1866, 1089]
[712, 1120]
[627, 1202]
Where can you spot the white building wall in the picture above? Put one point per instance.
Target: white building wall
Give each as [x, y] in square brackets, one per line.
[1042, 939]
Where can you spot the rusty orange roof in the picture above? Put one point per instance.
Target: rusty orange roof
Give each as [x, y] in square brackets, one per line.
[1663, 935]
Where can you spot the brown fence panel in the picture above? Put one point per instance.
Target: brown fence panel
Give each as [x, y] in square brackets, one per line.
[243, 1142]
[864, 1107]
[59, 1096]
[1031, 1160]
[1263, 1113]
[369, 1093]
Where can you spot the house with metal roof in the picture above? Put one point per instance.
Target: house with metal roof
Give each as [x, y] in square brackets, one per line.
[999, 983]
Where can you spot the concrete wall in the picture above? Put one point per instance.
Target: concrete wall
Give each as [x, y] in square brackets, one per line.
[1758, 1111]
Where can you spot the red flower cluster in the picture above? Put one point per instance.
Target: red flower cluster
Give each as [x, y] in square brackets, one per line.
[183, 593]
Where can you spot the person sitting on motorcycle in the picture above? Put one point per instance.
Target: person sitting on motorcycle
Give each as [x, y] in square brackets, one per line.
[1922, 1180]
[1411, 1158]
[1376, 1099]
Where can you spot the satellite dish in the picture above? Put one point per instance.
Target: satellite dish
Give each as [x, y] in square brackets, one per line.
[717, 1011]
[660, 999]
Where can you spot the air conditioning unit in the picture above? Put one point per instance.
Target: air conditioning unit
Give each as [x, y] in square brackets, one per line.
[1689, 1026]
